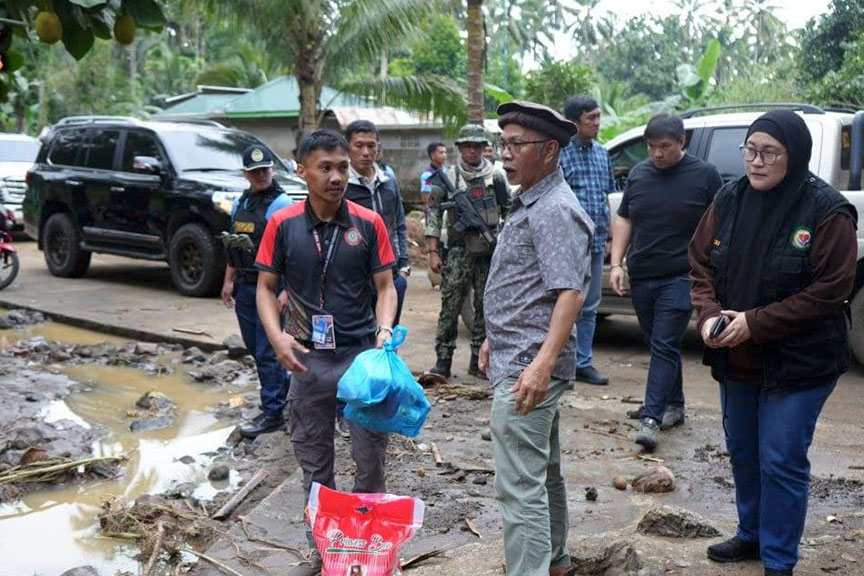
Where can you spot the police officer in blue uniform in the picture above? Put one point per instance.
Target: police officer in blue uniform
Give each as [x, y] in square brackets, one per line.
[249, 217]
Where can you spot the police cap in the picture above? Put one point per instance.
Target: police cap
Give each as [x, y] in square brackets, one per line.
[537, 117]
[257, 156]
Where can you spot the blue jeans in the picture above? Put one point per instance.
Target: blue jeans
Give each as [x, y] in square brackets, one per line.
[663, 308]
[274, 379]
[588, 319]
[768, 435]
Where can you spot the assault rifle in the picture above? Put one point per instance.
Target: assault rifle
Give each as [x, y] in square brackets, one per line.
[469, 219]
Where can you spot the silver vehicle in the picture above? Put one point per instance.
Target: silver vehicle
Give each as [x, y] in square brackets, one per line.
[17, 154]
[838, 153]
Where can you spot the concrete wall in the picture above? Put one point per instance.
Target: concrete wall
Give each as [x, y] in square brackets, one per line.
[404, 148]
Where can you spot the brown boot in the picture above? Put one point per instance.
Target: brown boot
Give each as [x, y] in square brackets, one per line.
[562, 571]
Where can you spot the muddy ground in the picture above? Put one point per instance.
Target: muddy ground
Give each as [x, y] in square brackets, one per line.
[462, 518]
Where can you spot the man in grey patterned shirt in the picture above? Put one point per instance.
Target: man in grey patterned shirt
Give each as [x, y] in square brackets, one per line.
[540, 269]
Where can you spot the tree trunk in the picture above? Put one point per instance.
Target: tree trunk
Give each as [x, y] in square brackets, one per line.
[476, 53]
[307, 79]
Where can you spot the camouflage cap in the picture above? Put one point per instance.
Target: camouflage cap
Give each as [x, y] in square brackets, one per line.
[472, 133]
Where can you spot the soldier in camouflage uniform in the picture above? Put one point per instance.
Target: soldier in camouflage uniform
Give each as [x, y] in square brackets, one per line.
[469, 249]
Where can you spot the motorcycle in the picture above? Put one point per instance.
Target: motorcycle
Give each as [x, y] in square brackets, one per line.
[8, 253]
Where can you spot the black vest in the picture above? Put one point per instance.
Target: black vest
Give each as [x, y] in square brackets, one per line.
[250, 219]
[820, 350]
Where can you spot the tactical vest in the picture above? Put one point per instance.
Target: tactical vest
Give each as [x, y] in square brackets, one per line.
[250, 219]
[820, 351]
[488, 196]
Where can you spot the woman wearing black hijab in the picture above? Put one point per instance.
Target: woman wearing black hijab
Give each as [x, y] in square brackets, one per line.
[774, 257]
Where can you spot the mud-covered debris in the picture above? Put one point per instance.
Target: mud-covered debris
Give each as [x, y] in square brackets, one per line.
[655, 480]
[154, 400]
[188, 460]
[15, 318]
[193, 354]
[236, 347]
[148, 348]
[218, 473]
[152, 424]
[619, 558]
[620, 482]
[591, 494]
[81, 571]
[675, 523]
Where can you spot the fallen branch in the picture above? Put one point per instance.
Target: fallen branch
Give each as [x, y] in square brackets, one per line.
[607, 434]
[193, 332]
[122, 535]
[421, 558]
[157, 547]
[218, 564]
[274, 545]
[630, 400]
[39, 472]
[235, 500]
[436, 454]
[856, 467]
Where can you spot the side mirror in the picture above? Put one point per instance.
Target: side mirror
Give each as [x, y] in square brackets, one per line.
[146, 164]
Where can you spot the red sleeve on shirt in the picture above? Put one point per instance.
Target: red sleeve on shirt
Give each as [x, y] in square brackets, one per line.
[268, 243]
[385, 250]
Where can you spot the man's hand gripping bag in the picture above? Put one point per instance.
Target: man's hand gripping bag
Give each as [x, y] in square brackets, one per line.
[360, 534]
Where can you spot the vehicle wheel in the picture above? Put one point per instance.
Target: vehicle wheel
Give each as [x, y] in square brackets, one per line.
[8, 268]
[467, 312]
[197, 263]
[856, 331]
[62, 247]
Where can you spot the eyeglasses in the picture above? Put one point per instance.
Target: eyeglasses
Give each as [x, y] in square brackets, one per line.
[515, 146]
[768, 157]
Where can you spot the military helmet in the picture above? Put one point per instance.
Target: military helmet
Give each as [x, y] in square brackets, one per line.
[473, 133]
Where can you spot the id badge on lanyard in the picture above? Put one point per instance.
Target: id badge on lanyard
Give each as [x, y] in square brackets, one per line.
[323, 328]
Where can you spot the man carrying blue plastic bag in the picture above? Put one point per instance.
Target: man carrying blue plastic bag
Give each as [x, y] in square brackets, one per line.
[330, 251]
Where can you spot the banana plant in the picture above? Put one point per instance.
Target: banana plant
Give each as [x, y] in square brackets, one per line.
[695, 81]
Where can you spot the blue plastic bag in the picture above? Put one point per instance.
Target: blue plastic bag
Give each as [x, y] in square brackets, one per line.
[381, 393]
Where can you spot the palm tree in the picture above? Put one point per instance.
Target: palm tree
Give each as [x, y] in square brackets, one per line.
[475, 23]
[333, 41]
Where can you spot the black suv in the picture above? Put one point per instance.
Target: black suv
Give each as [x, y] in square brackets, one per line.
[151, 190]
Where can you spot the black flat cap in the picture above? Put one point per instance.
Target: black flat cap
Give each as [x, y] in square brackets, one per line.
[257, 156]
[537, 117]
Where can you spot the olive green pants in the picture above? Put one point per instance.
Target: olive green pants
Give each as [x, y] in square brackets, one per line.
[528, 481]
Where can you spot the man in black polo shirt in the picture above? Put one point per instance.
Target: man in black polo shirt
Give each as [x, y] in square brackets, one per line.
[330, 251]
[665, 199]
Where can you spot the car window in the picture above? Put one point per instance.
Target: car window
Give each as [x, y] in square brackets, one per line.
[209, 150]
[625, 156]
[18, 150]
[139, 144]
[101, 149]
[723, 151]
[64, 149]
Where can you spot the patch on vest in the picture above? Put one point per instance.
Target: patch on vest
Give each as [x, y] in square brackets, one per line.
[801, 238]
[353, 237]
[244, 227]
[717, 243]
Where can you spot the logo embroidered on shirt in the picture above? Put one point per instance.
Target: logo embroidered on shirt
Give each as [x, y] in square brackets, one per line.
[801, 238]
[353, 237]
[244, 227]
[717, 243]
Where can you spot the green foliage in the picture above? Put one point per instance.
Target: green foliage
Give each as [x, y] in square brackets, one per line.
[824, 41]
[844, 86]
[695, 81]
[554, 82]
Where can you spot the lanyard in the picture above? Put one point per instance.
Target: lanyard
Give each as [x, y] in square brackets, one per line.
[328, 258]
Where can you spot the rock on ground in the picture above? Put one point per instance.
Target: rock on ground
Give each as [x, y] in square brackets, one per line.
[616, 559]
[675, 523]
[656, 480]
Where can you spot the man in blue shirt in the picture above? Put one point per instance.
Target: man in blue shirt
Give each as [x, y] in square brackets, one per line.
[588, 171]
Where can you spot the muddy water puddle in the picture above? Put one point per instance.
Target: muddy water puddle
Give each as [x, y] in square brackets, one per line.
[51, 531]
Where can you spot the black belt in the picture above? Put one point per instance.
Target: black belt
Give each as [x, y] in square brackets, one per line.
[343, 342]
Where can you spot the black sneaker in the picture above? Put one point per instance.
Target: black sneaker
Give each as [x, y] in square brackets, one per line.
[735, 550]
[772, 572]
[262, 425]
[636, 414]
[591, 375]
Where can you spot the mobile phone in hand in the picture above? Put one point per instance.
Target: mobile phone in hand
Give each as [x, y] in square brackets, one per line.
[719, 326]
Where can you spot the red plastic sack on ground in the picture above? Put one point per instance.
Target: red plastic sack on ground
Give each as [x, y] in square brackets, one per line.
[360, 534]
